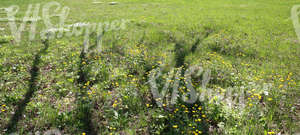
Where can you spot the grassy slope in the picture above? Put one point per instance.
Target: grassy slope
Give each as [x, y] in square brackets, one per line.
[261, 30]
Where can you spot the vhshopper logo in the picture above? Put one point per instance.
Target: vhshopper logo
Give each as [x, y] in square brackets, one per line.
[295, 13]
[173, 81]
[179, 84]
[53, 17]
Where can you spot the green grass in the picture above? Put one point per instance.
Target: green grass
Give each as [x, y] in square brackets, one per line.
[53, 84]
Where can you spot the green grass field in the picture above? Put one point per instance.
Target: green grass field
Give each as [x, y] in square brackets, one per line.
[250, 48]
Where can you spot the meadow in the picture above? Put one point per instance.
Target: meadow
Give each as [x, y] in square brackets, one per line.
[248, 51]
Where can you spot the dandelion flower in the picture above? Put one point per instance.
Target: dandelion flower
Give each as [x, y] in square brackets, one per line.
[175, 126]
[271, 133]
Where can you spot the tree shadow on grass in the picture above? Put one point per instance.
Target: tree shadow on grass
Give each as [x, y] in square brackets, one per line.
[180, 55]
[34, 73]
[83, 112]
[181, 52]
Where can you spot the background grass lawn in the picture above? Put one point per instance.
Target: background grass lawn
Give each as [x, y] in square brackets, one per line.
[247, 45]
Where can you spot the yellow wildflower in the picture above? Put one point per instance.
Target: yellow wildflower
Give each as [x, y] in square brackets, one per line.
[271, 133]
[259, 97]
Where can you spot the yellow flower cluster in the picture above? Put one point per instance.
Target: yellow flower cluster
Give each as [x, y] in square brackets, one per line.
[115, 104]
[3, 108]
[148, 105]
[197, 132]
[115, 84]
[254, 95]
[86, 84]
[112, 128]
[197, 114]
[91, 92]
[218, 59]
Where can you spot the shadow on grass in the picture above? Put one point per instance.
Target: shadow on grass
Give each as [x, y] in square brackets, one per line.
[181, 52]
[34, 73]
[83, 112]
